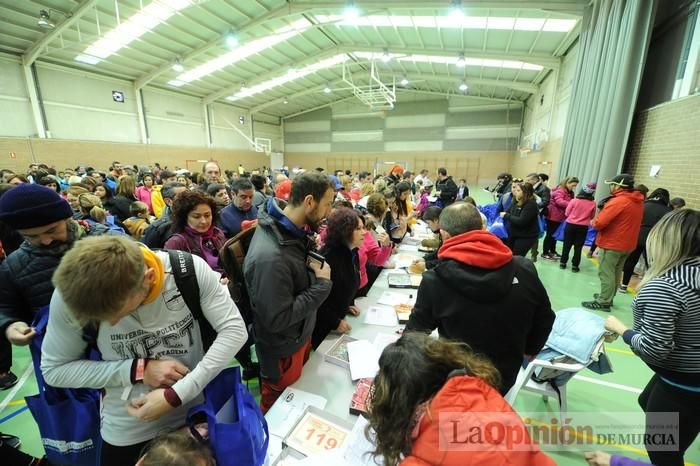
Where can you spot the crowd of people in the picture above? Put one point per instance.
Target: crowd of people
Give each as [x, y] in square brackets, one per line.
[312, 243]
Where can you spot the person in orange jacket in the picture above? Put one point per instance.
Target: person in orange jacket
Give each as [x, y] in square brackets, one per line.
[618, 225]
[430, 399]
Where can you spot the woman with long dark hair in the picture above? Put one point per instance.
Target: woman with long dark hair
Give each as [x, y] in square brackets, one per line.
[344, 234]
[666, 326]
[194, 218]
[522, 219]
[419, 379]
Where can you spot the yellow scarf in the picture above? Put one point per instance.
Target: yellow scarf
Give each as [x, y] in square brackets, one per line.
[154, 262]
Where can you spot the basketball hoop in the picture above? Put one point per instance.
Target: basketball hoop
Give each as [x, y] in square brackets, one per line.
[376, 95]
[263, 145]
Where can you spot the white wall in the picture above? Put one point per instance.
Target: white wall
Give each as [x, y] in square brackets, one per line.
[15, 109]
[79, 106]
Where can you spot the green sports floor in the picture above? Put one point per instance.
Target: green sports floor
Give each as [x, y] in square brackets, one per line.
[591, 393]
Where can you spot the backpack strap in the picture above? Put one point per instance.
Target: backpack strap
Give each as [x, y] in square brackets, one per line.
[182, 266]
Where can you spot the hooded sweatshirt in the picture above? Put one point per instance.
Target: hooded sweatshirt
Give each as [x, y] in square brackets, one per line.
[480, 294]
[460, 396]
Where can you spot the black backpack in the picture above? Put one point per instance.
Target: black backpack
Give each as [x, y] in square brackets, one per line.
[186, 281]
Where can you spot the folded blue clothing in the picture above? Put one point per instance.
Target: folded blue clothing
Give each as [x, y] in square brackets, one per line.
[576, 333]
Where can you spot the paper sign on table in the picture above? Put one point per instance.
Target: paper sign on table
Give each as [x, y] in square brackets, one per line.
[381, 316]
[316, 435]
[408, 248]
[382, 340]
[392, 298]
[357, 449]
[289, 407]
[364, 360]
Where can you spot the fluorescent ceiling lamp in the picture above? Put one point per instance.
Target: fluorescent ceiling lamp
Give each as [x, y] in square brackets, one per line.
[231, 40]
[461, 62]
[177, 66]
[455, 22]
[447, 60]
[246, 50]
[288, 77]
[150, 16]
[404, 81]
[386, 58]
[463, 86]
[327, 90]
[351, 12]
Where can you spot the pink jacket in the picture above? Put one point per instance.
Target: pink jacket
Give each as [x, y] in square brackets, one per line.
[580, 211]
[370, 250]
[144, 195]
[557, 205]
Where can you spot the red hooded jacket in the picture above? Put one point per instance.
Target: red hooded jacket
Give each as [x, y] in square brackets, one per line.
[466, 395]
[618, 223]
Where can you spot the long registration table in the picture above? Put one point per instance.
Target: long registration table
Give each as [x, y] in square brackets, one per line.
[333, 382]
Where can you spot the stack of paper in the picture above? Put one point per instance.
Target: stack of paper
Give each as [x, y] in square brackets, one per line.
[364, 359]
[381, 316]
[392, 298]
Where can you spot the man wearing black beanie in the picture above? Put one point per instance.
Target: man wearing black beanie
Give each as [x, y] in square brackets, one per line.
[45, 221]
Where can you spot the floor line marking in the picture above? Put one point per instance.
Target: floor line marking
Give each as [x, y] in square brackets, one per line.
[10, 396]
[626, 388]
[16, 403]
[623, 351]
[13, 414]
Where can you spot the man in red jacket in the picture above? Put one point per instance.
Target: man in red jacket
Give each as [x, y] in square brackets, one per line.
[618, 225]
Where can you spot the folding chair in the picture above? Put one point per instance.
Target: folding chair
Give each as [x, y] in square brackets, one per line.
[546, 388]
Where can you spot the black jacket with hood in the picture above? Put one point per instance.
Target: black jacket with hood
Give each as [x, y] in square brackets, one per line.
[480, 294]
[448, 190]
[284, 293]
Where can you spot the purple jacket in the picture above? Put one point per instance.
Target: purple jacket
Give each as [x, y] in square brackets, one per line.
[557, 205]
[624, 461]
[209, 251]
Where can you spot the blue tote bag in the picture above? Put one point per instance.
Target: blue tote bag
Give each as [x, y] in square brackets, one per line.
[498, 228]
[238, 431]
[68, 419]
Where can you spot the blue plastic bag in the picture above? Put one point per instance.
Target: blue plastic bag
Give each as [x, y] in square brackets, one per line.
[498, 228]
[559, 234]
[542, 224]
[238, 431]
[590, 236]
[490, 211]
[68, 418]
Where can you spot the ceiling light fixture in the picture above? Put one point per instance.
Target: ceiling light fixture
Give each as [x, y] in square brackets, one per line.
[386, 58]
[231, 40]
[147, 18]
[285, 78]
[404, 81]
[285, 101]
[177, 66]
[327, 89]
[244, 51]
[44, 20]
[458, 22]
[456, 11]
[350, 12]
[463, 86]
[461, 62]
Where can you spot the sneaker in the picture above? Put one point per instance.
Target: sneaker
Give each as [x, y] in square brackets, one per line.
[596, 306]
[550, 257]
[555, 254]
[10, 441]
[562, 266]
[597, 295]
[575, 269]
[7, 380]
[622, 289]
